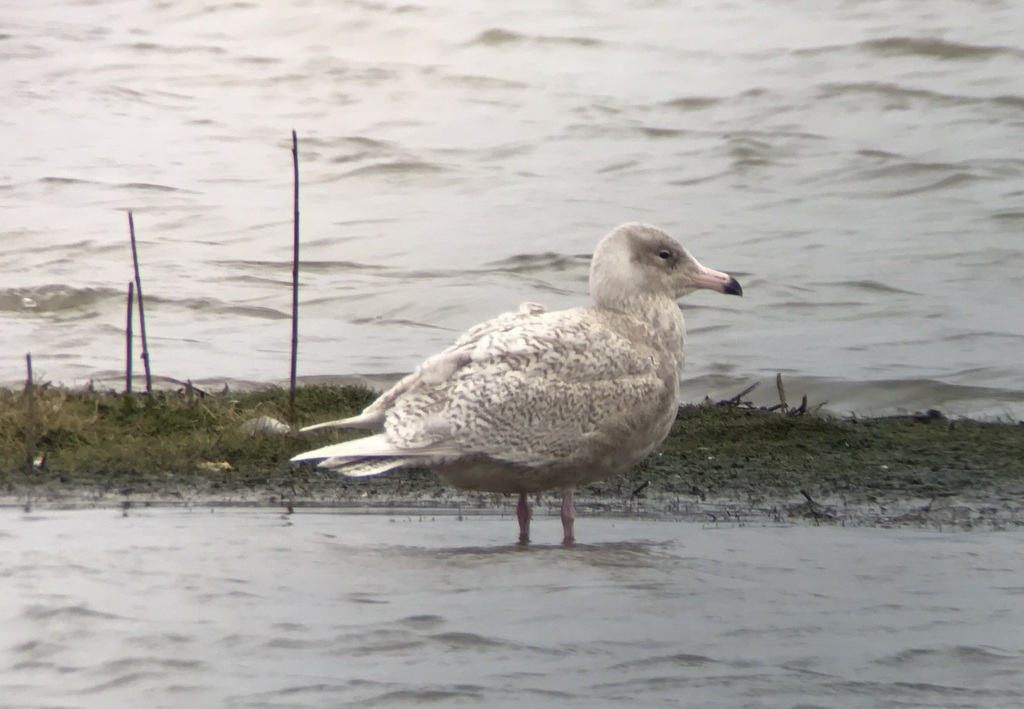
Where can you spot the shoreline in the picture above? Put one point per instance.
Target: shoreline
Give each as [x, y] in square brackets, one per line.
[726, 461]
[942, 514]
[983, 508]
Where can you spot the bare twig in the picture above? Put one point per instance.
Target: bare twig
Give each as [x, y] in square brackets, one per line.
[142, 312]
[810, 506]
[738, 399]
[188, 383]
[782, 392]
[128, 341]
[783, 405]
[800, 410]
[295, 277]
[30, 419]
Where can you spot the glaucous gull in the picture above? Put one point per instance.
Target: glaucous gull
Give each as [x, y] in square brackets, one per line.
[534, 400]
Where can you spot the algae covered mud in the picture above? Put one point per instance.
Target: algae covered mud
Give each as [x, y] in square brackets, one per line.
[725, 461]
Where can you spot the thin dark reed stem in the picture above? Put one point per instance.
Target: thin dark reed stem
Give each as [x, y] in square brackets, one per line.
[128, 341]
[295, 277]
[30, 418]
[142, 312]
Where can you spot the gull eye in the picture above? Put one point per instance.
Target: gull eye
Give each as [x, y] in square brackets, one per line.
[664, 254]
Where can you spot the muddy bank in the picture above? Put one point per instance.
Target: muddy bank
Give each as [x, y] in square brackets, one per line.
[720, 463]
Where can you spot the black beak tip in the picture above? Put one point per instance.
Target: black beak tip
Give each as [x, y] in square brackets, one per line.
[733, 287]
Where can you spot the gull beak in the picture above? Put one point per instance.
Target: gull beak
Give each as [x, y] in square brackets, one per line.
[717, 281]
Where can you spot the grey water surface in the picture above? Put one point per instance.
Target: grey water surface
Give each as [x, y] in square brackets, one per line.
[252, 608]
[858, 165]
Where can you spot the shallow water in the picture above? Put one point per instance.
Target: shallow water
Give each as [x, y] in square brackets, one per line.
[857, 165]
[249, 608]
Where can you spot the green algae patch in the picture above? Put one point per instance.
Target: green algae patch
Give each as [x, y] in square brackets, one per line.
[186, 445]
[734, 452]
[165, 442]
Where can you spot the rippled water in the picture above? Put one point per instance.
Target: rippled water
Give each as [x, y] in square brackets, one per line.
[857, 165]
[171, 608]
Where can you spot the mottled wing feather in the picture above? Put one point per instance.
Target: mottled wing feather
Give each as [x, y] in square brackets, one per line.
[532, 393]
[440, 367]
[525, 313]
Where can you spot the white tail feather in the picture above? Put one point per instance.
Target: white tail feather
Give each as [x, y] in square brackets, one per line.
[367, 456]
[370, 447]
[363, 420]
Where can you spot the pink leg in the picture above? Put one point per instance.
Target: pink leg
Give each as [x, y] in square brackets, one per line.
[568, 517]
[523, 513]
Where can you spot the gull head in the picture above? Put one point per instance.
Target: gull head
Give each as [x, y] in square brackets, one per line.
[640, 262]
